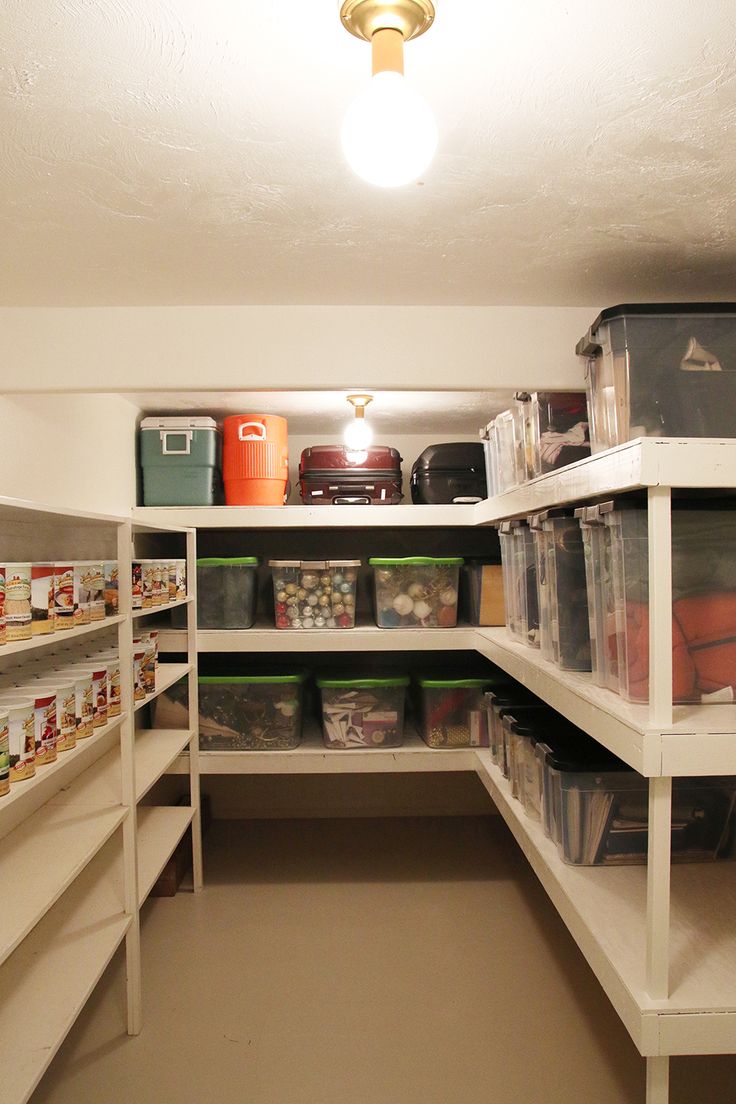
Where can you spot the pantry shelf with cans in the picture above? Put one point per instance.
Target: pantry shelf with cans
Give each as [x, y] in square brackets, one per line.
[80, 762]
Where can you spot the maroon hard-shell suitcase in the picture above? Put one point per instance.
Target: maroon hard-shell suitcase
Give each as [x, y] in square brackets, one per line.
[331, 475]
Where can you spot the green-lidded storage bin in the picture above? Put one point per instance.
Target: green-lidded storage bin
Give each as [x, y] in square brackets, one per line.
[416, 591]
[258, 712]
[363, 712]
[181, 460]
[227, 587]
[453, 711]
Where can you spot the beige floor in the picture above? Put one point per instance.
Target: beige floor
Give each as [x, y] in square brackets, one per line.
[371, 961]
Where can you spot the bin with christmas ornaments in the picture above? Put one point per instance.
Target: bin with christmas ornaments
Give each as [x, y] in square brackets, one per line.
[416, 591]
[314, 594]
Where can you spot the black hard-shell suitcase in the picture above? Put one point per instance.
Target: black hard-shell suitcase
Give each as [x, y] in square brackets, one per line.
[330, 475]
[454, 472]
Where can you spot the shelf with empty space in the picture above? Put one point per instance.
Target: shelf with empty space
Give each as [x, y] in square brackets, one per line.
[46, 982]
[312, 757]
[159, 830]
[263, 637]
[62, 636]
[166, 675]
[605, 911]
[155, 751]
[162, 608]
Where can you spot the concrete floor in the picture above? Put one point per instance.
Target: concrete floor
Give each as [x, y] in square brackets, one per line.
[410, 961]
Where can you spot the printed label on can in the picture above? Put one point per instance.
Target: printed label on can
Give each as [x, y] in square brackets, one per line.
[137, 583]
[96, 592]
[42, 598]
[172, 581]
[88, 711]
[83, 577]
[111, 589]
[21, 738]
[64, 595]
[3, 631]
[181, 578]
[149, 584]
[67, 719]
[4, 754]
[139, 689]
[18, 602]
[114, 694]
[46, 731]
[99, 696]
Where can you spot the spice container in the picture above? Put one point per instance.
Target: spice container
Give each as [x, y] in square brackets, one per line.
[4, 752]
[66, 713]
[416, 591]
[226, 593]
[314, 594]
[43, 613]
[21, 738]
[363, 712]
[248, 712]
[453, 712]
[18, 601]
[111, 588]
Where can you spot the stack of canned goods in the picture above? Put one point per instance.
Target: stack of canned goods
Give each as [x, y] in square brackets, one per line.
[158, 582]
[41, 598]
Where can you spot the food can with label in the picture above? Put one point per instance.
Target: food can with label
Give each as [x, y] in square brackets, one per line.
[97, 591]
[111, 588]
[64, 596]
[18, 601]
[112, 661]
[84, 573]
[45, 725]
[172, 580]
[181, 579]
[3, 627]
[137, 584]
[83, 705]
[139, 686]
[4, 751]
[152, 636]
[148, 572]
[21, 740]
[66, 709]
[148, 668]
[43, 610]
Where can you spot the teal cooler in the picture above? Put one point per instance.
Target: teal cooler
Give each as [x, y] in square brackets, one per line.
[181, 460]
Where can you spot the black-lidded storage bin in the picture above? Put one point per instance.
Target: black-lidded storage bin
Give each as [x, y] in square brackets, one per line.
[449, 473]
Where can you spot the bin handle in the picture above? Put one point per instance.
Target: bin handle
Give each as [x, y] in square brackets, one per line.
[187, 434]
[260, 435]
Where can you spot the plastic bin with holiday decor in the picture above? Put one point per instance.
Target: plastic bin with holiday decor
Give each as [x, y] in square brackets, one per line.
[363, 711]
[314, 594]
[416, 591]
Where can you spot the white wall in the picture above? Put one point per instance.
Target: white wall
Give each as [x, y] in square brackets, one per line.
[113, 348]
[72, 450]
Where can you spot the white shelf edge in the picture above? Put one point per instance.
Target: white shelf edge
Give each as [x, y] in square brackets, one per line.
[155, 751]
[307, 517]
[166, 675]
[74, 837]
[160, 827]
[266, 638]
[61, 636]
[161, 609]
[64, 513]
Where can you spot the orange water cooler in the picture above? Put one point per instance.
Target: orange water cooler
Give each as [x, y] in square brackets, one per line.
[255, 460]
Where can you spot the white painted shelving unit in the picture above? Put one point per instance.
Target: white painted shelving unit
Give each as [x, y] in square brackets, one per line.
[659, 939]
[62, 921]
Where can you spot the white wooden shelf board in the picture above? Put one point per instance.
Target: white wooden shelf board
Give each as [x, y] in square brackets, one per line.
[159, 830]
[312, 757]
[701, 740]
[47, 640]
[44, 985]
[605, 911]
[155, 751]
[307, 517]
[646, 462]
[41, 859]
[160, 609]
[19, 509]
[166, 675]
[263, 637]
[26, 797]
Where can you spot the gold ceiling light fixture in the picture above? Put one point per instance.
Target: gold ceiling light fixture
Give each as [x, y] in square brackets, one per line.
[389, 135]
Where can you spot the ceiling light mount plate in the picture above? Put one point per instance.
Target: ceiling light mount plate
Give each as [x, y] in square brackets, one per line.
[364, 17]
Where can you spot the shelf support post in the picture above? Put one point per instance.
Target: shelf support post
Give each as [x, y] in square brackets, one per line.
[658, 887]
[194, 774]
[127, 761]
[658, 1080]
[660, 605]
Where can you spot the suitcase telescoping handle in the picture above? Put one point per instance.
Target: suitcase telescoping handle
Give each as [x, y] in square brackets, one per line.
[184, 435]
[259, 435]
[351, 500]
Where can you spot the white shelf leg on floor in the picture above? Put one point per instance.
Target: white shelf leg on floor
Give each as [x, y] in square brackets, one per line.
[658, 887]
[196, 828]
[660, 605]
[658, 1080]
[127, 757]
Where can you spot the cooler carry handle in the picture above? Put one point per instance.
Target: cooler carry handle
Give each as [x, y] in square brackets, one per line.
[260, 435]
[187, 434]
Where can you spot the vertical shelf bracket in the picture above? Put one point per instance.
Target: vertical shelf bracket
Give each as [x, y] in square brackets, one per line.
[194, 776]
[658, 1080]
[658, 887]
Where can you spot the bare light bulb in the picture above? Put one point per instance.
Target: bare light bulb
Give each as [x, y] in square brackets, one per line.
[358, 435]
[389, 135]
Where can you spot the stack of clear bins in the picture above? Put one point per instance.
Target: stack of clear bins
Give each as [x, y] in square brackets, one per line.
[501, 699]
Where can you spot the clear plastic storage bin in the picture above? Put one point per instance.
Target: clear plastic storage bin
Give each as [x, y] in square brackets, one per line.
[558, 428]
[598, 552]
[566, 593]
[482, 594]
[453, 712]
[520, 581]
[416, 591]
[664, 370]
[605, 818]
[363, 712]
[258, 712]
[510, 452]
[314, 594]
[226, 593]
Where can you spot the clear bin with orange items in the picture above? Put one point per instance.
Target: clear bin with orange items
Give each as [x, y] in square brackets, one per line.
[255, 460]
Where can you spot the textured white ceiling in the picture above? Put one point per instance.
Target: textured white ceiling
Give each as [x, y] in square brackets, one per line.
[182, 152]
